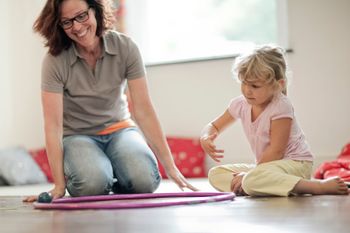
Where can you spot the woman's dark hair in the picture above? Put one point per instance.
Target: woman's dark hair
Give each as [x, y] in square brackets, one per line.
[47, 24]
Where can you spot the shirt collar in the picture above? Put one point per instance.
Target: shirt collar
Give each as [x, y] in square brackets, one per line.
[109, 44]
[109, 47]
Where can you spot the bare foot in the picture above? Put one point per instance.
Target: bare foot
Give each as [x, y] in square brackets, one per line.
[334, 185]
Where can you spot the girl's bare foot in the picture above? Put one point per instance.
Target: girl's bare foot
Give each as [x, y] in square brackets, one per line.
[334, 185]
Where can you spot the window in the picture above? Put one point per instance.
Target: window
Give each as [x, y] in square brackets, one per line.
[168, 30]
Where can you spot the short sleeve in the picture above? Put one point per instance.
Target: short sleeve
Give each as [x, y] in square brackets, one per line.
[51, 76]
[236, 107]
[135, 66]
[283, 109]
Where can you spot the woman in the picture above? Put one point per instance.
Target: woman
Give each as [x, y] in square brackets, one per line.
[93, 145]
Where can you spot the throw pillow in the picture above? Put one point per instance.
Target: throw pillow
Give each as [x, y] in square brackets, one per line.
[188, 155]
[18, 168]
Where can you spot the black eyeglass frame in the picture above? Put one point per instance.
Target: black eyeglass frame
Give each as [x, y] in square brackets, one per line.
[80, 18]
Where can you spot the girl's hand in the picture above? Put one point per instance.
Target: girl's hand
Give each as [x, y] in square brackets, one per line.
[207, 143]
[56, 193]
[176, 176]
[236, 184]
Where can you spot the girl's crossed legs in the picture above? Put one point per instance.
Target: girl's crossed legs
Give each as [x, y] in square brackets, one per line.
[276, 178]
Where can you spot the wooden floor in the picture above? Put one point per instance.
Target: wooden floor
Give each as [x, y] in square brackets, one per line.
[276, 214]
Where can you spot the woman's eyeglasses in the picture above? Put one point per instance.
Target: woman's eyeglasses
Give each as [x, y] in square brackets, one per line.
[82, 17]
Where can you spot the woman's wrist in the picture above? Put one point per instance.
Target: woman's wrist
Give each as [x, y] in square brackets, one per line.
[60, 185]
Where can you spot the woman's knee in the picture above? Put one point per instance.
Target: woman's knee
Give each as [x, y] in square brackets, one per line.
[146, 184]
[137, 186]
[138, 181]
[135, 167]
[89, 183]
[87, 169]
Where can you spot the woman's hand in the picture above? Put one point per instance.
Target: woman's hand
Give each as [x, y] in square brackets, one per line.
[207, 143]
[176, 176]
[56, 193]
[236, 184]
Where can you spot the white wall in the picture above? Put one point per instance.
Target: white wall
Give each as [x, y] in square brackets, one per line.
[6, 101]
[320, 36]
[187, 96]
[22, 51]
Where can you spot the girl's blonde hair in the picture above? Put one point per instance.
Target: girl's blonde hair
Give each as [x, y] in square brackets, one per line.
[265, 63]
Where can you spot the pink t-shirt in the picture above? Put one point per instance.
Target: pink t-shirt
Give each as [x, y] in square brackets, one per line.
[258, 132]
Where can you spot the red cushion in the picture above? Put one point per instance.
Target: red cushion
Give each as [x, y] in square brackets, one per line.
[40, 158]
[345, 152]
[339, 167]
[188, 155]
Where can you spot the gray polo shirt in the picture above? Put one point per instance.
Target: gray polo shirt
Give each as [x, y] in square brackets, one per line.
[93, 100]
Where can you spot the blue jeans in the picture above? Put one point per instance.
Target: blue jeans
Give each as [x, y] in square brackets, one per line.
[93, 162]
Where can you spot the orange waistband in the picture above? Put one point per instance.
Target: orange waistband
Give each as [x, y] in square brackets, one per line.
[117, 126]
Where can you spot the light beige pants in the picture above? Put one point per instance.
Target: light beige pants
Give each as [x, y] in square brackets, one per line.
[276, 178]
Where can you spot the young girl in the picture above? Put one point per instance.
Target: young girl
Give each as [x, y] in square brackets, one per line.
[283, 158]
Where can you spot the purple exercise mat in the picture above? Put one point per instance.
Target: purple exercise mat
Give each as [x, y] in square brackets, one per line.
[97, 202]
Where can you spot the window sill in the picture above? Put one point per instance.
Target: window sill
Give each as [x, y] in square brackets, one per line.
[201, 59]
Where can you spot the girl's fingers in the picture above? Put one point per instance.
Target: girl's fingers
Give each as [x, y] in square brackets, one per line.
[236, 188]
[233, 183]
[214, 149]
[217, 158]
[219, 151]
[212, 136]
[210, 148]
